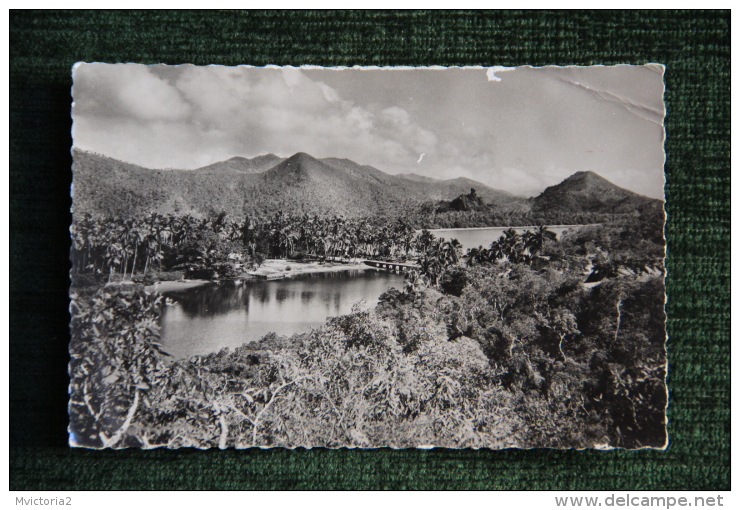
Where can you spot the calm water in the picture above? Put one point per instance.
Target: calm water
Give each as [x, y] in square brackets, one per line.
[208, 318]
[474, 237]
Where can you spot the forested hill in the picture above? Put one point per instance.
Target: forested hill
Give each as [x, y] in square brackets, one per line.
[266, 184]
[303, 184]
[588, 192]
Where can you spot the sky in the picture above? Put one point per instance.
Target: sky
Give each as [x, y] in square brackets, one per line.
[516, 129]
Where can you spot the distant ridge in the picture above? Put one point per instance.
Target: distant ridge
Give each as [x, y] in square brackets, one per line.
[589, 192]
[417, 177]
[302, 184]
[239, 164]
[263, 185]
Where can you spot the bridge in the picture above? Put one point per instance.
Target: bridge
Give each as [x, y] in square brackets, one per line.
[397, 267]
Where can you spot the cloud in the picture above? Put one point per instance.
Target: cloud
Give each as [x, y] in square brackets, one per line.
[330, 94]
[214, 93]
[525, 133]
[126, 90]
[292, 76]
[396, 115]
[189, 116]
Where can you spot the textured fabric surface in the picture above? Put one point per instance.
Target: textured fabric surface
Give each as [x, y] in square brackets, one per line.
[695, 47]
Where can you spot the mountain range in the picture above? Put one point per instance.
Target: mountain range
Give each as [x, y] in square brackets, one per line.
[301, 184]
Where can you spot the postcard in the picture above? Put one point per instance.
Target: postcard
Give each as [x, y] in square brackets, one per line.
[367, 257]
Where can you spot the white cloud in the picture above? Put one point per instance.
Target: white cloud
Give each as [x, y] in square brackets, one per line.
[292, 76]
[216, 93]
[360, 118]
[330, 94]
[519, 135]
[396, 115]
[127, 90]
[196, 113]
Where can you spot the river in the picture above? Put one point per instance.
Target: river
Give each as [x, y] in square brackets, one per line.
[205, 319]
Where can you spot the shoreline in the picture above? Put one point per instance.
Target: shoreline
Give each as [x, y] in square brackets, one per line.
[169, 286]
[432, 230]
[270, 269]
[288, 268]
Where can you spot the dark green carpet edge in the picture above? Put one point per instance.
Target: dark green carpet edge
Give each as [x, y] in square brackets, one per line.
[695, 47]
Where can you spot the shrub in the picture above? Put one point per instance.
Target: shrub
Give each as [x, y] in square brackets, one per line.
[453, 281]
[116, 361]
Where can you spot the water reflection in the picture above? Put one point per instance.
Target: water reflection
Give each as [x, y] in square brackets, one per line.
[205, 319]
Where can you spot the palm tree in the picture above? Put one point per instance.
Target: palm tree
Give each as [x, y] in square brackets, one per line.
[450, 252]
[478, 255]
[431, 266]
[287, 239]
[510, 244]
[497, 250]
[535, 240]
[329, 240]
[136, 236]
[424, 240]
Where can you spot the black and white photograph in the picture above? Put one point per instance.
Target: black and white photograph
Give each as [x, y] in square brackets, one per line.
[367, 257]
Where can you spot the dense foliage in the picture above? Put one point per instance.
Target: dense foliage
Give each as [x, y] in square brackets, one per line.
[118, 249]
[116, 361]
[531, 341]
[429, 216]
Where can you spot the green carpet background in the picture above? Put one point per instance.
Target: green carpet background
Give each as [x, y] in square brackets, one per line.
[695, 47]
